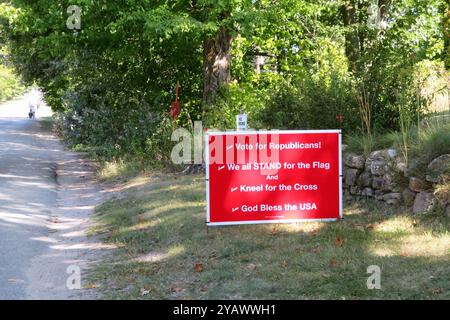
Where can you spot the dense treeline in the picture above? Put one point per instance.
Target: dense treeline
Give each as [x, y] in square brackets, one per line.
[287, 63]
[10, 85]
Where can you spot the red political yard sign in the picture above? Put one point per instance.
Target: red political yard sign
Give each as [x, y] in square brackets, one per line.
[273, 176]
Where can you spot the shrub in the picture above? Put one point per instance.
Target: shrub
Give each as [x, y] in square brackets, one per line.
[10, 85]
[313, 103]
[233, 100]
[118, 129]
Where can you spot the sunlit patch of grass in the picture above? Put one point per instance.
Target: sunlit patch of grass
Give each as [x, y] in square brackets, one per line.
[159, 226]
[119, 169]
[402, 236]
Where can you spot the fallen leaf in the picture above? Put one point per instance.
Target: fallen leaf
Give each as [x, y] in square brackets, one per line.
[251, 266]
[90, 286]
[339, 241]
[274, 231]
[284, 264]
[333, 262]
[315, 250]
[144, 292]
[298, 249]
[437, 291]
[176, 289]
[414, 223]
[404, 254]
[198, 267]
[370, 226]
[141, 219]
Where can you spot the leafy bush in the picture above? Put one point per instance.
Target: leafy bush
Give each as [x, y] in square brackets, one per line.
[233, 100]
[115, 128]
[311, 104]
[10, 85]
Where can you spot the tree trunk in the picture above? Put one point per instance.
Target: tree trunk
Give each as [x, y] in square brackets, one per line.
[446, 33]
[216, 64]
[348, 11]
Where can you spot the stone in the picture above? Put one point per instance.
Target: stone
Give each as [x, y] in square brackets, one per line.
[350, 176]
[355, 190]
[412, 168]
[354, 161]
[408, 196]
[364, 179]
[417, 184]
[367, 192]
[378, 167]
[377, 183]
[388, 183]
[424, 202]
[400, 165]
[392, 153]
[438, 168]
[393, 198]
[378, 193]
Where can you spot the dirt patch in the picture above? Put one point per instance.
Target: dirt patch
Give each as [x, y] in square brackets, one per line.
[69, 247]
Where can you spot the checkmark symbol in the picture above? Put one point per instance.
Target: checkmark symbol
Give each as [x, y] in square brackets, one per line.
[235, 209]
[230, 147]
[234, 189]
[221, 167]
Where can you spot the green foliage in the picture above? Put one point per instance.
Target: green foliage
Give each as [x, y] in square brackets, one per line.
[10, 85]
[233, 100]
[431, 142]
[360, 143]
[313, 103]
[113, 80]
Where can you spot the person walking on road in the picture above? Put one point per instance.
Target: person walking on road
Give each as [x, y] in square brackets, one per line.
[32, 113]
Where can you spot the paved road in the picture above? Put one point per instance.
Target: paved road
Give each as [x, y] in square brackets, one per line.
[41, 221]
[27, 191]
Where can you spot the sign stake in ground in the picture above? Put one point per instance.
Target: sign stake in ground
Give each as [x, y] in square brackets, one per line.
[241, 122]
[273, 176]
[175, 107]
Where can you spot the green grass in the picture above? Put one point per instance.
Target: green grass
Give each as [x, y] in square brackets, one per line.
[159, 229]
[46, 123]
[423, 144]
[364, 145]
[431, 141]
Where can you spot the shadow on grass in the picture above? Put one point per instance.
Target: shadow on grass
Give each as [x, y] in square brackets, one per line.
[165, 249]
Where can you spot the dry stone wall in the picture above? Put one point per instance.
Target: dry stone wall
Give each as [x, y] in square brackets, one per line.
[384, 176]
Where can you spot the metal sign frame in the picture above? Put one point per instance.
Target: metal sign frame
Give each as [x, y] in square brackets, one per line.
[206, 156]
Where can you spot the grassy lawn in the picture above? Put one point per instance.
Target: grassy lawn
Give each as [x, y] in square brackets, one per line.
[166, 252]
